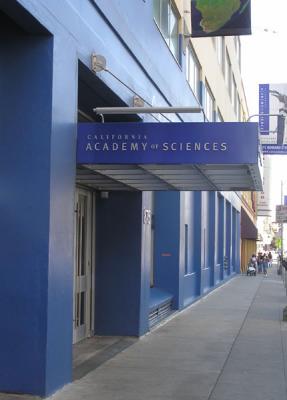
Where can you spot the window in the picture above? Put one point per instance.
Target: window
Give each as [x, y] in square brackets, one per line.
[192, 71]
[220, 51]
[167, 20]
[228, 75]
[234, 94]
[238, 111]
[219, 116]
[238, 49]
[209, 104]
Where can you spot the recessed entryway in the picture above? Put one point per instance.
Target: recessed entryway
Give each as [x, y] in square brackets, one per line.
[83, 271]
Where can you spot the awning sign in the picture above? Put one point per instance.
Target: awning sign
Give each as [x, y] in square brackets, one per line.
[167, 143]
[220, 18]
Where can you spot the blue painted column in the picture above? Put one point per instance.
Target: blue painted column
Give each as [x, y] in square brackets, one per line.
[167, 241]
[238, 242]
[234, 239]
[197, 228]
[119, 307]
[61, 215]
[204, 243]
[221, 236]
[228, 241]
[38, 102]
[211, 235]
[216, 239]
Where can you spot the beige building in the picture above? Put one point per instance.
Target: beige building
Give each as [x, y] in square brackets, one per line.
[214, 72]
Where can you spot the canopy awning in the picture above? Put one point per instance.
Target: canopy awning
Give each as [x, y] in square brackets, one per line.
[174, 156]
[248, 228]
[170, 177]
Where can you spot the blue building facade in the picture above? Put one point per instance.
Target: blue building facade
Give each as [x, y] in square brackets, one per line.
[151, 253]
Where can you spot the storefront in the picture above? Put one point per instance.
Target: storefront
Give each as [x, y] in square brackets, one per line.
[194, 236]
[106, 247]
[249, 235]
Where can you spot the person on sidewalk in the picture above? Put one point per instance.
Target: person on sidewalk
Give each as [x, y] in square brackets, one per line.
[265, 264]
[260, 262]
[253, 261]
[269, 259]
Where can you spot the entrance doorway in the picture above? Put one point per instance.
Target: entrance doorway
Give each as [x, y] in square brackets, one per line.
[83, 271]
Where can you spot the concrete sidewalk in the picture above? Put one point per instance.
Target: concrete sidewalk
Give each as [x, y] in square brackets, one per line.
[229, 345]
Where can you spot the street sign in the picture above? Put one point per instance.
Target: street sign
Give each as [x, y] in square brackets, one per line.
[281, 214]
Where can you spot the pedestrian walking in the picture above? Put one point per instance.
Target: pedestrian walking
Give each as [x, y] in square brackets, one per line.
[269, 259]
[265, 264]
[260, 263]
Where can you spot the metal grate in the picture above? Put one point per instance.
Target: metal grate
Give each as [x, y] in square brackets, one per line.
[160, 313]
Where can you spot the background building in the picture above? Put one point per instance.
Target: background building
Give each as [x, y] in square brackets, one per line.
[266, 216]
[249, 232]
[264, 208]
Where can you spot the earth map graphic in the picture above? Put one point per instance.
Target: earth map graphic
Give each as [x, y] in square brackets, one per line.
[211, 16]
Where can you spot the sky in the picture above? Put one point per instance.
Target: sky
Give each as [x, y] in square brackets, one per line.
[264, 60]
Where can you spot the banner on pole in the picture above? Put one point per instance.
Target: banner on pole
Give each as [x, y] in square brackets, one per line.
[272, 121]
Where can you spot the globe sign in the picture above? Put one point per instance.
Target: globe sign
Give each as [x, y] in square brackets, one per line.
[220, 17]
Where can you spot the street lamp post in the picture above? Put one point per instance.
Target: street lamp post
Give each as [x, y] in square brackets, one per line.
[282, 225]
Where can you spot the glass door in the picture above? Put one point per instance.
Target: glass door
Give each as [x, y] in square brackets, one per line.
[82, 265]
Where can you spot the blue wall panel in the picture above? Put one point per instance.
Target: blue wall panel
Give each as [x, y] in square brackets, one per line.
[197, 240]
[190, 288]
[24, 212]
[234, 240]
[37, 163]
[217, 274]
[132, 37]
[205, 280]
[228, 241]
[61, 222]
[238, 243]
[167, 227]
[118, 264]
[205, 267]
[211, 234]
[221, 238]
